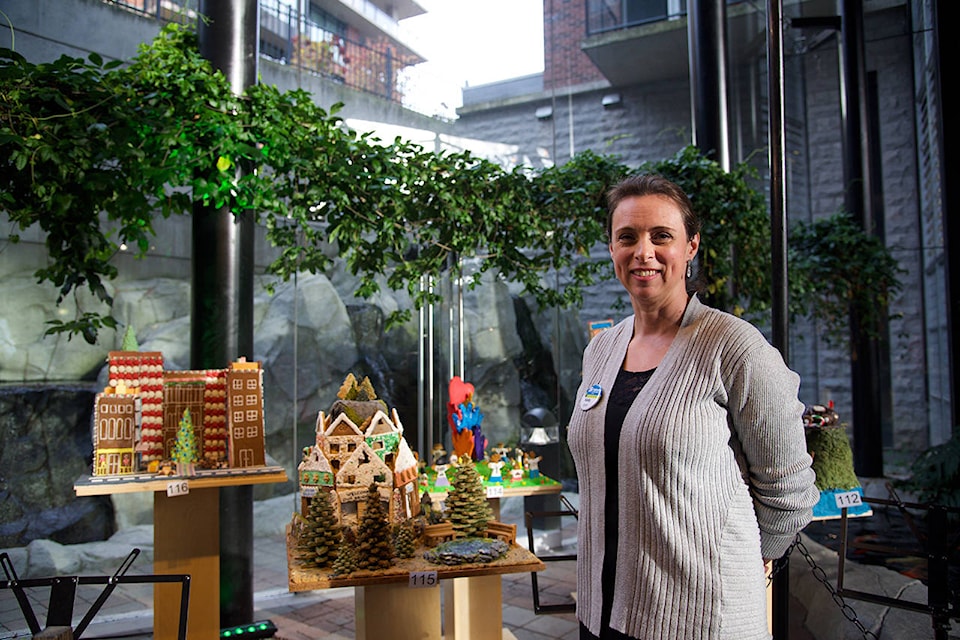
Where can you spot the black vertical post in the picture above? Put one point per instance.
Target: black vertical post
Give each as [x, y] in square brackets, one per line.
[865, 388]
[707, 43]
[388, 76]
[221, 327]
[950, 193]
[778, 253]
[882, 387]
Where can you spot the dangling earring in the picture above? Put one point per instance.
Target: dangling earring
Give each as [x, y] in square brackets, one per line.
[689, 270]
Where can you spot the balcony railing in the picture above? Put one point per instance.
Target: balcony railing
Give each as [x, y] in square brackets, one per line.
[290, 38]
[613, 15]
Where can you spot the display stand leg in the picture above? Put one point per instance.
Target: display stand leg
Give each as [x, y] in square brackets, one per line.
[396, 610]
[186, 540]
[494, 507]
[473, 608]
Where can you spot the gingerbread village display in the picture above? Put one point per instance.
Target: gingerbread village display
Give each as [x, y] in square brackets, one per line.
[827, 442]
[149, 420]
[366, 511]
[504, 466]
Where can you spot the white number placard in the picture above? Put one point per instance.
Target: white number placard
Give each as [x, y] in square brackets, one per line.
[495, 491]
[848, 499]
[423, 579]
[178, 488]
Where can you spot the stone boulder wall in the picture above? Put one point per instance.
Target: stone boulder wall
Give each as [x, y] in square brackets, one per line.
[26, 354]
[309, 335]
[45, 446]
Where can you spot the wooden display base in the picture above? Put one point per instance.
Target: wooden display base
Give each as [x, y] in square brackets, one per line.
[390, 602]
[300, 578]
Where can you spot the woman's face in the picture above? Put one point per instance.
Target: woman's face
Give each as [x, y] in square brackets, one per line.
[650, 249]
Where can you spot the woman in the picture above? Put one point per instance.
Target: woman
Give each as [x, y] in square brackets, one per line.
[688, 442]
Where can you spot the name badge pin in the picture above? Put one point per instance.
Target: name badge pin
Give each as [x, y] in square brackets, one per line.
[591, 397]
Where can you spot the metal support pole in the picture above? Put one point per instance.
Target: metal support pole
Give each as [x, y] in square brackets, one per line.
[778, 250]
[221, 327]
[951, 223]
[867, 421]
[707, 42]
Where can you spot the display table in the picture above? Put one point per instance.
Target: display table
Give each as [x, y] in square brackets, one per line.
[386, 600]
[186, 537]
[404, 600]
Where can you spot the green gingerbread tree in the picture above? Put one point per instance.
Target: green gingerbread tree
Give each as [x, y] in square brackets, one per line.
[130, 340]
[404, 540]
[186, 450]
[319, 533]
[374, 539]
[467, 507]
[346, 562]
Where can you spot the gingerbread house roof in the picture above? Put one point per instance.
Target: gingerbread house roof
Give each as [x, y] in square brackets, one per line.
[342, 426]
[316, 461]
[405, 466]
[364, 466]
[315, 469]
[396, 419]
[380, 424]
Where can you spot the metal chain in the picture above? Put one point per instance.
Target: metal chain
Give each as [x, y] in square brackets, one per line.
[821, 577]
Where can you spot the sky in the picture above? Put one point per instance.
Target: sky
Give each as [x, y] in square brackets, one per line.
[473, 42]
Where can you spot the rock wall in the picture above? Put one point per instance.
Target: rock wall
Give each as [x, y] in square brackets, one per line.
[45, 446]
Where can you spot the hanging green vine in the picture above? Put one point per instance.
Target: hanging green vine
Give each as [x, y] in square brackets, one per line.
[91, 152]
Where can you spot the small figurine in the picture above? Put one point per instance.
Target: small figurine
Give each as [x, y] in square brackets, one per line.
[437, 455]
[532, 463]
[459, 392]
[496, 465]
[516, 474]
[518, 457]
[503, 450]
[442, 480]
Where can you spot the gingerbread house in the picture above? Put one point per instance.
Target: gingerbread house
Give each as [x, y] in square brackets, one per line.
[245, 408]
[355, 458]
[141, 372]
[116, 426]
[235, 439]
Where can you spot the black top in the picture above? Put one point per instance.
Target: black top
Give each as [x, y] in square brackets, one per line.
[624, 392]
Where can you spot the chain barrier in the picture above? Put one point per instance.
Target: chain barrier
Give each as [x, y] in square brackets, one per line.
[821, 577]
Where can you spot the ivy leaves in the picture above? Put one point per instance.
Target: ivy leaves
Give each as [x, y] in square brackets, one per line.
[837, 270]
[91, 152]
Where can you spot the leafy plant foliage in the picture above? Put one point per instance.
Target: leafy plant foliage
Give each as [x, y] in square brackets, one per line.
[935, 474]
[838, 270]
[92, 152]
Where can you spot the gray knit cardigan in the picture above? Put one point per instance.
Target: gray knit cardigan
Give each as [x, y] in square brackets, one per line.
[713, 473]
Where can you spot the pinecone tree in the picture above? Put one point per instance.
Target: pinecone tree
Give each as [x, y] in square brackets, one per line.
[346, 562]
[403, 540]
[467, 507]
[320, 533]
[374, 543]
